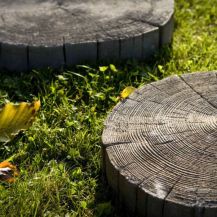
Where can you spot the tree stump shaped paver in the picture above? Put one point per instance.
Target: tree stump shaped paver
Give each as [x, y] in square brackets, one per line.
[39, 33]
[160, 148]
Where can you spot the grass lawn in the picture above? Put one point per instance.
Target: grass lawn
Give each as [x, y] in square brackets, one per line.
[59, 156]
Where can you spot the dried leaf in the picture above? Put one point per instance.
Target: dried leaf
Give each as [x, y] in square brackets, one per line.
[127, 91]
[16, 117]
[8, 172]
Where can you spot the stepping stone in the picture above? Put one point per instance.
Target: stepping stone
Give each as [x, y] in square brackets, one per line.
[36, 34]
[160, 148]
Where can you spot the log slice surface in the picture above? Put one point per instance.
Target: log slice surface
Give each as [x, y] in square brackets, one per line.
[160, 148]
[41, 33]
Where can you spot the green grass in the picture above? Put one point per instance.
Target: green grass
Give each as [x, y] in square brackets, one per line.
[59, 157]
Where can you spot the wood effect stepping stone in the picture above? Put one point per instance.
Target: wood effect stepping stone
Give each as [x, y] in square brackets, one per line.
[39, 33]
[160, 148]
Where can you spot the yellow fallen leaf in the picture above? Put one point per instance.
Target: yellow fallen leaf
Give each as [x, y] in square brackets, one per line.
[16, 117]
[126, 92]
[8, 172]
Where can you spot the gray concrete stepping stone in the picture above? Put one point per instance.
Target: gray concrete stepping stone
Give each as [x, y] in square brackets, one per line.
[160, 148]
[39, 33]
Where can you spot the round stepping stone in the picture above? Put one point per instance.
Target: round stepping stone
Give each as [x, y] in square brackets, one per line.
[40, 33]
[160, 148]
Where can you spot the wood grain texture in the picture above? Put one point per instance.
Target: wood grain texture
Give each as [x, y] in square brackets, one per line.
[13, 57]
[80, 53]
[42, 57]
[80, 31]
[160, 148]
